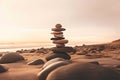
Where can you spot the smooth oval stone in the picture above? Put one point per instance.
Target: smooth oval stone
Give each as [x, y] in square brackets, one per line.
[58, 55]
[58, 38]
[60, 41]
[52, 61]
[83, 71]
[57, 32]
[63, 49]
[3, 69]
[58, 35]
[42, 75]
[58, 26]
[36, 62]
[60, 45]
[60, 29]
[11, 58]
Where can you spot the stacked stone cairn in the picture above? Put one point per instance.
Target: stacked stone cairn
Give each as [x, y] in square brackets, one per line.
[60, 51]
[59, 39]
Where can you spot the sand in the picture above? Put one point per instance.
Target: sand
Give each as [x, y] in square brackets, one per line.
[21, 71]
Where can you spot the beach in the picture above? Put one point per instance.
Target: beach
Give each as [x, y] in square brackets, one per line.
[20, 70]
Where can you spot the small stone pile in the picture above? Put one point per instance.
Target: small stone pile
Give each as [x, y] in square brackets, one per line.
[60, 50]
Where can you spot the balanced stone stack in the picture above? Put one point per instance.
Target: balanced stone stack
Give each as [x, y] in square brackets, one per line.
[60, 50]
[59, 39]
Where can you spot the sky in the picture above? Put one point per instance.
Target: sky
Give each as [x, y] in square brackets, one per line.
[85, 20]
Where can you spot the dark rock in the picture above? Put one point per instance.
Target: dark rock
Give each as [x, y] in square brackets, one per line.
[32, 51]
[117, 66]
[82, 53]
[11, 58]
[19, 51]
[3, 69]
[63, 49]
[60, 53]
[59, 38]
[93, 51]
[93, 56]
[55, 55]
[36, 62]
[83, 71]
[42, 50]
[101, 48]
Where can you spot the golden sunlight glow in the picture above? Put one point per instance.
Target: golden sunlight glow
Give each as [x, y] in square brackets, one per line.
[31, 21]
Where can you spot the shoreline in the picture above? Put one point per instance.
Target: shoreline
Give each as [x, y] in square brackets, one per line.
[15, 47]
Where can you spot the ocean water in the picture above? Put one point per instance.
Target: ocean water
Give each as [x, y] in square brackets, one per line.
[13, 47]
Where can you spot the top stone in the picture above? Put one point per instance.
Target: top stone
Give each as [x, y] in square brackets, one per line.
[58, 26]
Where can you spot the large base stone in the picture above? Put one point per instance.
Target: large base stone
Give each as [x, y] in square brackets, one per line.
[83, 71]
[58, 55]
[63, 49]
